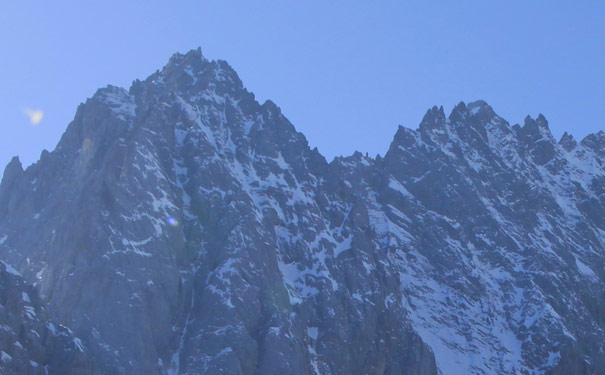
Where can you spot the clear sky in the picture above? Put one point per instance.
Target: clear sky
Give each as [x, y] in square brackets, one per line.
[346, 73]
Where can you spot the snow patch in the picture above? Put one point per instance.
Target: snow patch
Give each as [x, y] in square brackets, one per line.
[10, 269]
[312, 332]
[584, 269]
[397, 186]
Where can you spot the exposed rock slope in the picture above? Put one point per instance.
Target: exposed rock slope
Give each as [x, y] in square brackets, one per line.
[181, 227]
[30, 344]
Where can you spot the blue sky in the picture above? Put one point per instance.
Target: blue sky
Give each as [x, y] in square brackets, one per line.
[346, 73]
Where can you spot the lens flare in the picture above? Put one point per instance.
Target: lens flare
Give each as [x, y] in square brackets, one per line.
[172, 221]
[35, 116]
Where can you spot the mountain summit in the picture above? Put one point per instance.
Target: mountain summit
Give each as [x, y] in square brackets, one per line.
[181, 227]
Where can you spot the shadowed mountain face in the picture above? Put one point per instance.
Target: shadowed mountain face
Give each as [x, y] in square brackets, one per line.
[36, 345]
[181, 227]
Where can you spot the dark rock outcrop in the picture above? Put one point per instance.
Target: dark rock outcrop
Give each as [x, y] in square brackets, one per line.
[30, 344]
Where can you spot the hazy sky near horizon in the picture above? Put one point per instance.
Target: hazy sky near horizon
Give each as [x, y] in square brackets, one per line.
[345, 73]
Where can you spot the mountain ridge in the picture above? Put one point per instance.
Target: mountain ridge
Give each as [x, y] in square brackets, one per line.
[195, 56]
[200, 222]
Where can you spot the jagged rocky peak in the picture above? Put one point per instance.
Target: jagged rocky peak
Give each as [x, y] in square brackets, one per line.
[478, 110]
[595, 142]
[181, 227]
[10, 181]
[352, 163]
[474, 121]
[459, 113]
[404, 139]
[191, 74]
[568, 142]
[434, 118]
[466, 126]
[356, 157]
[13, 169]
[190, 58]
[537, 139]
[105, 117]
[534, 130]
[181, 70]
[117, 99]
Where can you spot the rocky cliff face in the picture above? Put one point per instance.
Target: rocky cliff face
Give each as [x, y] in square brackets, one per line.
[181, 227]
[31, 344]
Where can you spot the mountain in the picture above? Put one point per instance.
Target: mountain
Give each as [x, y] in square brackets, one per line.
[181, 227]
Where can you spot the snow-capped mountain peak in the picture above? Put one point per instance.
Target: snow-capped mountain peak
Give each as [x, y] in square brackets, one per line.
[181, 227]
